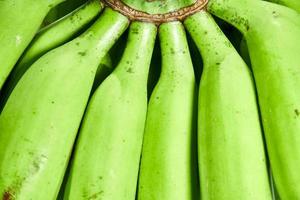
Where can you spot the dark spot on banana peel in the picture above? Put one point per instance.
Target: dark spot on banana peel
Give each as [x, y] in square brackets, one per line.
[129, 62]
[135, 31]
[227, 43]
[172, 51]
[275, 14]
[129, 70]
[95, 196]
[82, 53]
[8, 195]
[242, 21]
[297, 112]
[36, 166]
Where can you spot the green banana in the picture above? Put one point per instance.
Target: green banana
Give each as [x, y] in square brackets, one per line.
[168, 166]
[275, 60]
[20, 19]
[231, 150]
[107, 154]
[43, 113]
[294, 4]
[49, 38]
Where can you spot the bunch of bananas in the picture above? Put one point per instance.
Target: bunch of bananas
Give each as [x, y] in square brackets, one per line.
[104, 103]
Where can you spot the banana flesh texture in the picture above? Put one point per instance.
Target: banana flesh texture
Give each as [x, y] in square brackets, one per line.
[231, 152]
[49, 38]
[39, 123]
[169, 160]
[107, 155]
[20, 20]
[274, 46]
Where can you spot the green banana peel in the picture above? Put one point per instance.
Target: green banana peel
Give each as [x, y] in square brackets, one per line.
[231, 152]
[43, 114]
[20, 20]
[168, 166]
[107, 155]
[294, 4]
[49, 38]
[274, 46]
[104, 69]
[63, 9]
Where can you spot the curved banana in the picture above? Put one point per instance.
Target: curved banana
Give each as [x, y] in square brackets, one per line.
[168, 167]
[274, 45]
[49, 38]
[107, 155]
[20, 20]
[231, 152]
[40, 121]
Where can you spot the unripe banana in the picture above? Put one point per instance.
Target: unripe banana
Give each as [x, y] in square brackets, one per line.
[20, 20]
[168, 166]
[294, 4]
[49, 38]
[107, 155]
[40, 121]
[231, 153]
[273, 38]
